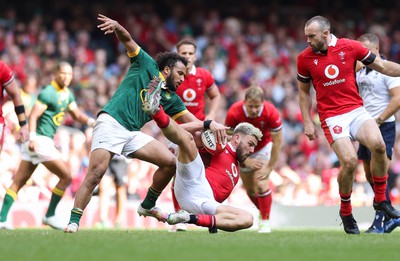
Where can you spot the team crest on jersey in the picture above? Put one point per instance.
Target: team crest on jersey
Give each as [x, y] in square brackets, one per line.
[189, 95]
[341, 55]
[199, 82]
[337, 129]
[167, 95]
[316, 62]
[331, 71]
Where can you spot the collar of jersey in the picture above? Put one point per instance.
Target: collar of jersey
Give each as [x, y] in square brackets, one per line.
[192, 70]
[333, 40]
[56, 86]
[163, 79]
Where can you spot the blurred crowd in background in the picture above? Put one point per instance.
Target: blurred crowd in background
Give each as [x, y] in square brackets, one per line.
[242, 43]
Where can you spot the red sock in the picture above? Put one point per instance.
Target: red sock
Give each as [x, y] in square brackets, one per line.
[265, 202]
[174, 200]
[254, 199]
[345, 204]
[161, 118]
[380, 188]
[206, 220]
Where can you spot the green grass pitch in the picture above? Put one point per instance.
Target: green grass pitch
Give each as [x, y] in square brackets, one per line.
[116, 245]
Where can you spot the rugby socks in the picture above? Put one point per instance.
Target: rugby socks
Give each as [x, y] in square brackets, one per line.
[380, 188]
[265, 202]
[151, 198]
[345, 204]
[254, 199]
[76, 214]
[161, 118]
[9, 199]
[55, 199]
[202, 220]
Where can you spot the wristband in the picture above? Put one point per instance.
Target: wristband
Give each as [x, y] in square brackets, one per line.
[19, 109]
[32, 135]
[22, 123]
[379, 121]
[206, 124]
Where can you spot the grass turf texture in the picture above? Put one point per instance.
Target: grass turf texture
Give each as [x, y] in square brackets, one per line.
[301, 244]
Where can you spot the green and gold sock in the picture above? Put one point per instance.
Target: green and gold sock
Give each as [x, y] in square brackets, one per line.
[76, 214]
[9, 199]
[55, 199]
[150, 199]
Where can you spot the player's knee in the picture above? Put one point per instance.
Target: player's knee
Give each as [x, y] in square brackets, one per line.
[246, 220]
[349, 164]
[378, 148]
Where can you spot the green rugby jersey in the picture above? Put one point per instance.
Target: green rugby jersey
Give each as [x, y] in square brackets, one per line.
[57, 102]
[126, 105]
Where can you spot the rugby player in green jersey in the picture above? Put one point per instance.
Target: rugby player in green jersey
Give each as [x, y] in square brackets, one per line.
[118, 125]
[47, 115]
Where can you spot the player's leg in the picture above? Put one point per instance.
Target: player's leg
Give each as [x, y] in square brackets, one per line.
[346, 154]
[370, 136]
[105, 193]
[120, 169]
[98, 164]
[24, 172]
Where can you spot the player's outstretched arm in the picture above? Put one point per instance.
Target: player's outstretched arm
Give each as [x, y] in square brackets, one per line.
[109, 26]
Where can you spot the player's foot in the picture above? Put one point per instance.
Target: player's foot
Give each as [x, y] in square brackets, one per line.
[153, 212]
[181, 216]
[6, 226]
[349, 224]
[387, 207]
[71, 228]
[152, 96]
[52, 222]
[391, 224]
[374, 230]
[212, 230]
[264, 226]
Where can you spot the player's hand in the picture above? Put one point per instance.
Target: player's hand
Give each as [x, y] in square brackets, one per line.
[108, 25]
[219, 131]
[24, 133]
[310, 131]
[32, 145]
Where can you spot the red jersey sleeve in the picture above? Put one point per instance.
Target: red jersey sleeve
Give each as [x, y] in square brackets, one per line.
[209, 79]
[6, 75]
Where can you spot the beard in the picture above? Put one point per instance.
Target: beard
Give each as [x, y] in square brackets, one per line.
[170, 84]
[240, 155]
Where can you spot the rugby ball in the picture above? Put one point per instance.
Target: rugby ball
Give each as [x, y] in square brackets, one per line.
[209, 143]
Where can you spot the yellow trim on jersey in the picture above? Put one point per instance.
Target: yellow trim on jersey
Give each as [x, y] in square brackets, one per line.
[56, 86]
[131, 55]
[43, 105]
[176, 116]
[12, 193]
[58, 192]
[161, 76]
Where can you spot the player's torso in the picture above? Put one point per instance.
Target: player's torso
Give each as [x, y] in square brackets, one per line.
[192, 91]
[57, 102]
[223, 173]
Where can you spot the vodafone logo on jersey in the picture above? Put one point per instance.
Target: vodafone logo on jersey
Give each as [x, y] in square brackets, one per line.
[189, 95]
[331, 71]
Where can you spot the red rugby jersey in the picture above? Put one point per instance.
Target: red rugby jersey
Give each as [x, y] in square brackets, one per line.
[193, 88]
[333, 75]
[6, 76]
[222, 172]
[268, 120]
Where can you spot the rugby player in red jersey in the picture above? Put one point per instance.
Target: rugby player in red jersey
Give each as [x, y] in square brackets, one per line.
[256, 169]
[197, 84]
[201, 191]
[329, 64]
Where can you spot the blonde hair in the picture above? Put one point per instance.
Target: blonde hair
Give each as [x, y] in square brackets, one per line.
[254, 93]
[248, 129]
